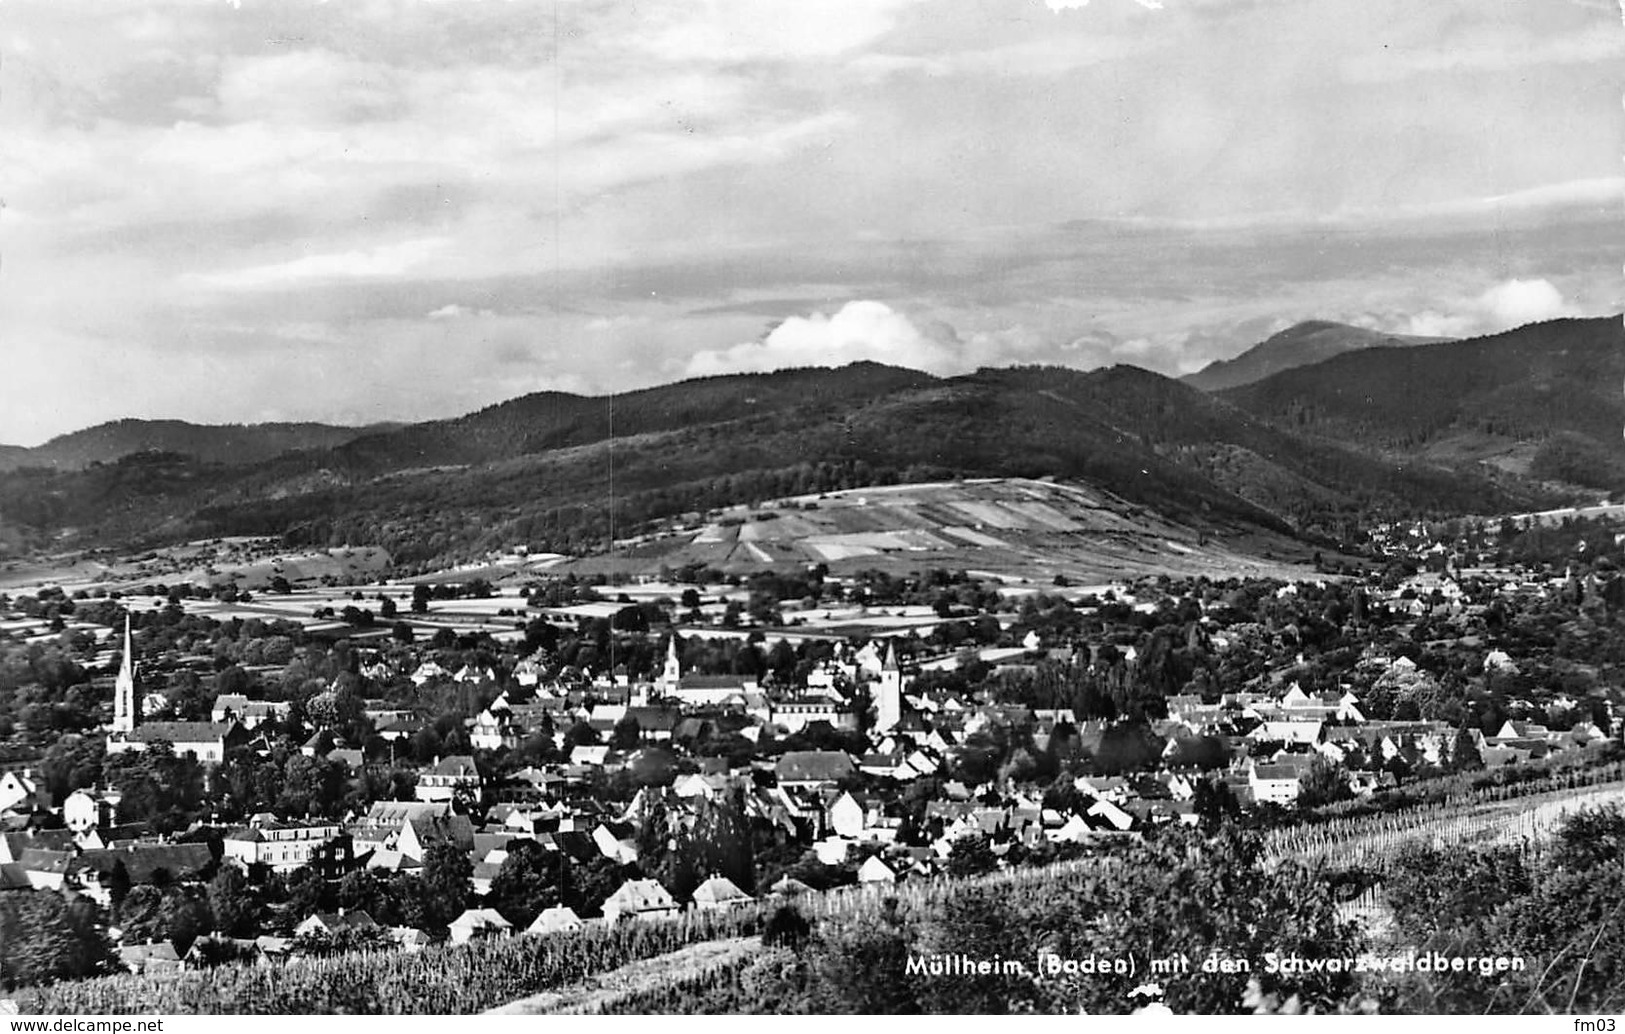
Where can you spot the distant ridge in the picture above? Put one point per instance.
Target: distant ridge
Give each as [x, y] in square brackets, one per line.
[231, 444]
[1302, 344]
[1541, 400]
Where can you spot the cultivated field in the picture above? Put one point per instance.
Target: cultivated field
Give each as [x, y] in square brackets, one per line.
[1010, 528]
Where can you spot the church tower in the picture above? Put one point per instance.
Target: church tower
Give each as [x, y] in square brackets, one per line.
[126, 703]
[889, 692]
[672, 673]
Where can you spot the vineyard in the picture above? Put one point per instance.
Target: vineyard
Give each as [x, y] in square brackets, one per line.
[451, 980]
[487, 974]
[1371, 842]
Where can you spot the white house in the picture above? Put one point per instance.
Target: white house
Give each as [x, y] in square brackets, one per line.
[719, 893]
[478, 923]
[873, 870]
[558, 919]
[640, 899]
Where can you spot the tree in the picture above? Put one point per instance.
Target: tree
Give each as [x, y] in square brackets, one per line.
[46, 937]
[527, 882]
[420, 598]
[140, 918]
[1215, 805]
[447, 882]
[232, 904]
[627, 735]
[1464, 755]
[305, 888]
[1324, 783]
[972, 855]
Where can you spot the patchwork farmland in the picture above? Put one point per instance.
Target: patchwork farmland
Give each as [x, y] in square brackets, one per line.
[1010, 528]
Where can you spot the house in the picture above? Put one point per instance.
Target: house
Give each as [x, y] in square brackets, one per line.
[719, 893]
[655, 724]
[594, 756]
[251, 713]
[558, 919]
[45, 869]
[1291, 733]
[400, 728]
[427, 672]
[617, 841]
[640, 899]
[845, 816]
[214, 949]
[422, 832]
[150, 958]
[88, 809]
[206, 741]
[696, 785]
[808, 768]
[873, 870]
[410, 827]
[1277, 784]
[332, 924]
[94, 873]
[282, 846]
[20, 791]
[448, 778]
[1108, 814]
[408, 938]
[493, 731]
[710, 690]
[476, 923]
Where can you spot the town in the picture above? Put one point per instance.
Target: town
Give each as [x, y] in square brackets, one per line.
[197, 775]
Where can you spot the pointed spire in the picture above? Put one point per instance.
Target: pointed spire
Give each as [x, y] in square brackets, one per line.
[125, 706]
[890, 664]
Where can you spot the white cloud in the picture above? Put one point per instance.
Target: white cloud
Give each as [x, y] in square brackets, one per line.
[860, 330]
[1511, 303]
[389, 260]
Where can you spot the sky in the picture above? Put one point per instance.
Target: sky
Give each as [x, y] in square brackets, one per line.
[360, 211]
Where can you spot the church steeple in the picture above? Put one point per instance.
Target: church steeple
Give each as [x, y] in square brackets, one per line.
[672, 673]
[889, 692]
[126, 704]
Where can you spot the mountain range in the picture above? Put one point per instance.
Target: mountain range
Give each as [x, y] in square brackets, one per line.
[231, 444]
[1302, 344]
[1517, 420]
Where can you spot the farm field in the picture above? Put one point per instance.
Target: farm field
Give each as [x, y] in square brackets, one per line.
[1011, 528]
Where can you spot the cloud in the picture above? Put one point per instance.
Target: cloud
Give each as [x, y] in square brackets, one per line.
[389, 260]
[1495, 52]
[1072, 5]
[455, 311]
[859, 330]
[1511, 303]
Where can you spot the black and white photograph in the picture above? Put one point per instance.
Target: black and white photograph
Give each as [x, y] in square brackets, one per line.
[809, 507]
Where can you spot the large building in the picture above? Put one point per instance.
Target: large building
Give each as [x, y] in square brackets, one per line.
[206, 741]
[282, 846]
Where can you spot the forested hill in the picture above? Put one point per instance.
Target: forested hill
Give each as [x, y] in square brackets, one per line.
[233, 444]
[1553, 386]
[1299, 345]
[554, 420]
[543, 470]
